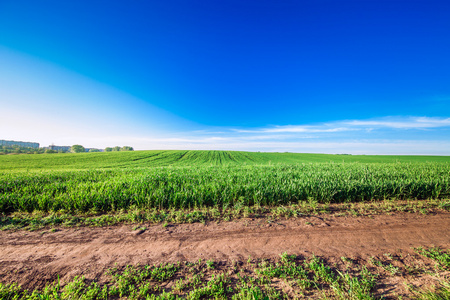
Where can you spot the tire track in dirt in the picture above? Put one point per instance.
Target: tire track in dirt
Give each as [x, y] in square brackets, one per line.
[31, 258]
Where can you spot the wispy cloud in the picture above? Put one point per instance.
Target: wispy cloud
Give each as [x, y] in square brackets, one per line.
[402, 123]
[294, 129]
[353, 125]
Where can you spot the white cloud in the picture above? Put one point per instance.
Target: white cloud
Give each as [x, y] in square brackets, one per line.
[295, 129]
[354, 125]
[402, 123]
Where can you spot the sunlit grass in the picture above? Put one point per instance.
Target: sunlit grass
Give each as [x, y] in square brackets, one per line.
[223, 186]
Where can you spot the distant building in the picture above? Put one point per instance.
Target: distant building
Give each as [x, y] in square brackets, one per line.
[67, 148]
[19, 143]
[59, 148]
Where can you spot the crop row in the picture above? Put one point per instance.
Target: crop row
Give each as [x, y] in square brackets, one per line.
[219, 186]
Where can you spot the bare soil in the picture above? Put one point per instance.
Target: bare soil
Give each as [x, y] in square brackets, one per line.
[33, 259]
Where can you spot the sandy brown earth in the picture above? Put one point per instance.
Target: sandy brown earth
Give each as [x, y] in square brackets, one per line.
[34, 258]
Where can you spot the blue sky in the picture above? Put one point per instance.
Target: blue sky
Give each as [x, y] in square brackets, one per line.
[361, 77]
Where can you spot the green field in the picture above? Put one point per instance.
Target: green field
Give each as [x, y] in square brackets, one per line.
[106, 182]
[158, 158]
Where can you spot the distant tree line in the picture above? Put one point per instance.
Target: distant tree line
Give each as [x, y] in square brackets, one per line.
[80, 149]
[14, 149]
[117, 148]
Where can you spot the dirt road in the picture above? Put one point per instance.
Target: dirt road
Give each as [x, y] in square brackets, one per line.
[32, 258]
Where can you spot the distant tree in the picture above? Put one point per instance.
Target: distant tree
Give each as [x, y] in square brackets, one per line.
[94, 150]
[127, 148]
[116, 148]
[77, 149]
[50, 151]
[108, 149]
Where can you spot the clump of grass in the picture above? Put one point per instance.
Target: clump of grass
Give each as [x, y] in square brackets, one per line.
[440, 292]
[347, 287]
[437, 254]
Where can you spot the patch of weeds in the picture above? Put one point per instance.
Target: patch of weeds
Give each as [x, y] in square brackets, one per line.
[389, 255]
[210, 264]
[180, 285]
[321, 271]
[445, 205]
[440, 256]
[393, 270]
[284, 269]
[10, 291]
[78, 289]
[215, 288]
[348, 261]
[442, 291]
[357, 287]
[249, 292]
[140, 228]
[388, 267]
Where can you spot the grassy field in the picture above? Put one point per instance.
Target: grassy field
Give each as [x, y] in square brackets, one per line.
[106, 182]
[158, 158]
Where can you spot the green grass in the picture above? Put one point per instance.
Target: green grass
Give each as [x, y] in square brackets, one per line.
[441, 257]
[288, 277]
[54, 220]
[440, 292]
[109, 182]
